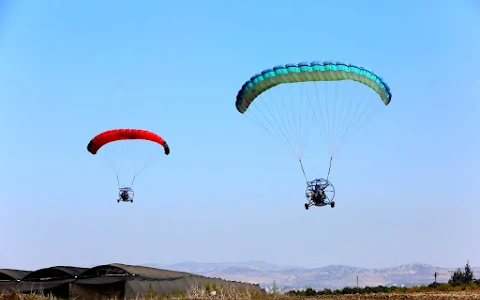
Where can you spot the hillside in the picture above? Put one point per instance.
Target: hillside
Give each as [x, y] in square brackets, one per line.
[334, 276]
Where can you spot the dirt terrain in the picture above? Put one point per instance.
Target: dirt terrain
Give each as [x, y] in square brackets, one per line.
[412, 296]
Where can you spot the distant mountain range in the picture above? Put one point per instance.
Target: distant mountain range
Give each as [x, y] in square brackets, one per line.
[333, 277]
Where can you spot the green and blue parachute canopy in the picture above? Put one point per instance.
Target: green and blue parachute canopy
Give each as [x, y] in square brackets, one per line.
[304, 72]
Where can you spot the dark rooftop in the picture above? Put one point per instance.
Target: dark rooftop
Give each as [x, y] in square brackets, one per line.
[131, 270]
[58, 272]
[10, 274]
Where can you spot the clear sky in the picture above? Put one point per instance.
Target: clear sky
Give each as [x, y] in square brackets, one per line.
[407, 184]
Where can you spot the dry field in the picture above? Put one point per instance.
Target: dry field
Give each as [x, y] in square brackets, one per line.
[412, 296]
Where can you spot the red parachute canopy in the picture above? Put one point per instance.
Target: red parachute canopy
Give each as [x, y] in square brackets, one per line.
[124, 134]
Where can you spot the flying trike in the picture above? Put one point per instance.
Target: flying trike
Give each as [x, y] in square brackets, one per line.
[320, 192]
[332, 100]
[111, 141]
[125, 194]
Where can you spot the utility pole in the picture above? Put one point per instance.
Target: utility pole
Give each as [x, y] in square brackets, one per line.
[274, 287]
[357, 284]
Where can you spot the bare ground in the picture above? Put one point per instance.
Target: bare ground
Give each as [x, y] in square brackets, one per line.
[411, 296]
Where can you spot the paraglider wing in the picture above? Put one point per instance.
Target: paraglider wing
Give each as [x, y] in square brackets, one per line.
[125, 134]
[303, 72]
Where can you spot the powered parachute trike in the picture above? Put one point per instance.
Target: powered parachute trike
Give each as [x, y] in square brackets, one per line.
[288, 100]
[139, 141]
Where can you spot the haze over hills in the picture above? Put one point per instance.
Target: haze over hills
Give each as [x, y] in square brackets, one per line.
[333, 277]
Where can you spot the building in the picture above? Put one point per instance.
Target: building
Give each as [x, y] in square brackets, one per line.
[53, 280]
[128, 282]
[9, 278]
[122, 282]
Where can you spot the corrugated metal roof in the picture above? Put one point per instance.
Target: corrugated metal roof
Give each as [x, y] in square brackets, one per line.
[132, 270]
[11, 274]
[55, 272]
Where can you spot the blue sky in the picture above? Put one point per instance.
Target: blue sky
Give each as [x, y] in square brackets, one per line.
[228, 191]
